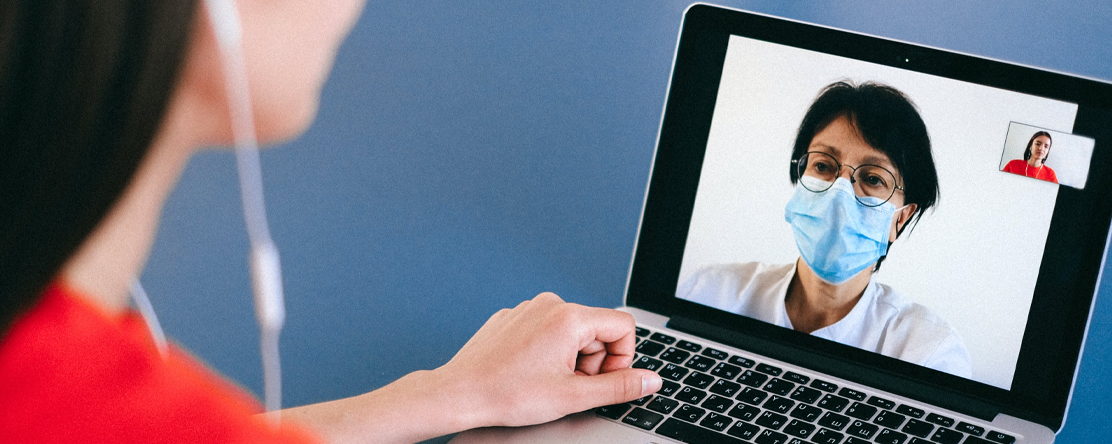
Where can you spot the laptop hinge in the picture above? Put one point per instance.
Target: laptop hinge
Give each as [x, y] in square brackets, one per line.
[842, 368]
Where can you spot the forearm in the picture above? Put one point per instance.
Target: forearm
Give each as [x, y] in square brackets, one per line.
[419, 406]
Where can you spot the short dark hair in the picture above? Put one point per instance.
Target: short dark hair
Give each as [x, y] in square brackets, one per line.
[84, 85]
[1027, 153]
[888, 121]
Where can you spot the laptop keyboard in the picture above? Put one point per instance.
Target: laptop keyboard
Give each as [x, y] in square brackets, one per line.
[711, 397]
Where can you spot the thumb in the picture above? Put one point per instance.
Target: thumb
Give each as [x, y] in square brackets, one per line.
[614, 387]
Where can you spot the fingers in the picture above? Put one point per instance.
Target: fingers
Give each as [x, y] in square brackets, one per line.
[613, 387]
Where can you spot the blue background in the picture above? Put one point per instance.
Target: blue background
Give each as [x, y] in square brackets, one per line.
[469, 155]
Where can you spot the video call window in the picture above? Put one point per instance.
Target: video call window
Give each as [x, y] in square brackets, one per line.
[1027, 153]
[866, 205]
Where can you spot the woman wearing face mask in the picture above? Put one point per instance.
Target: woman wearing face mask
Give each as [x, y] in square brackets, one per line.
[1034, 159]
[863, 170]
[102, 103]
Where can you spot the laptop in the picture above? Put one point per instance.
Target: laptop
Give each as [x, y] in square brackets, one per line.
[849, 239]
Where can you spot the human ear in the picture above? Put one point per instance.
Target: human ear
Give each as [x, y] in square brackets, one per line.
[900, 219]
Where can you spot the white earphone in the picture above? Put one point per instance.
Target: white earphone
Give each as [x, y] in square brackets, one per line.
[266, 271]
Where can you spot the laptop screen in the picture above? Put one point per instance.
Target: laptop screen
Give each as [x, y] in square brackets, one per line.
[771, 240]
[938, 218]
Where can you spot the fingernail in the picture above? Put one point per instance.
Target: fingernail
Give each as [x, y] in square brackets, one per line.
[650, 384]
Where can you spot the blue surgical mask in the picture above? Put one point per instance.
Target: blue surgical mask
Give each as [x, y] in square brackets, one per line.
[837, 236]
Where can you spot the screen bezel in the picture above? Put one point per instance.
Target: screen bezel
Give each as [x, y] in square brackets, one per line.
[1076, 244]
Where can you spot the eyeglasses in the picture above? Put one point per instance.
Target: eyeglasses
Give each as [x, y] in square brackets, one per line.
[873, 185]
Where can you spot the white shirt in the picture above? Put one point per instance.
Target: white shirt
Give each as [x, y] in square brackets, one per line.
[882, 321]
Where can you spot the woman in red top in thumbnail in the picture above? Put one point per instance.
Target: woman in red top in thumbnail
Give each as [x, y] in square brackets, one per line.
[1034, 159]
[102, 103]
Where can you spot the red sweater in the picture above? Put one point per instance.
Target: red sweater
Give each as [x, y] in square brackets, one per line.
[70, 373]
[1020, 167]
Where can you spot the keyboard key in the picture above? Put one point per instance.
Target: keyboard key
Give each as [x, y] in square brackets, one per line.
[970, 428]
[915, 440]
[699, 380]
[725, 388]
[833, 403]
[642, 400]
[649, 348]
[716, 422]
[1000, 437]
[976, 440]
[770, 437]
[826, 436]
[668, 388]
[662, 338]
[689, 346]
[689, 413]
[779, 404]
[806, 412]
[648, 363]
[824, 386]
[771, 420]
[751, 395]
[642, 418]
[796, 378]
[690, 395]
[861, 411]
[701, 363]
[889, 436]
[718, 403]
[675, 355]
[852, 394]
[917, 428]
[882, 403]
[742, 362]
[862, 429]
[663, 405]
[940, 420]
[726, 371]
[673, 372]
[684, 432]
[889, 419]
[805, 394]
[910, 411]
[752, 379]
[947, 436]
[833, 421]
[744, 412]
[769, 370]
[716, 354]
[642, 332]
[799, 428]
[612, 411]
[855, 440]
[779, 387]
[743, 430]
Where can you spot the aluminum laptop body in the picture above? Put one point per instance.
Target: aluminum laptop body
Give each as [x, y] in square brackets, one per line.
[1006, 261]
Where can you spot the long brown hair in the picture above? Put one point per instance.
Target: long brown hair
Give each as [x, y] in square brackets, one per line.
[84, 85]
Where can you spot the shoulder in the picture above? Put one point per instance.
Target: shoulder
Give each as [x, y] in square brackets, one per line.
[1014, 165]
[927, 338]
[127, 392]
[1050, 174]
[738, 274]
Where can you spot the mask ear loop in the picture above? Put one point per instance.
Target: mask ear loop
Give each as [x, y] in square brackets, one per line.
[266, 272]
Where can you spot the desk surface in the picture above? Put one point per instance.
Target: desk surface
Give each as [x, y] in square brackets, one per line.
[469, 155]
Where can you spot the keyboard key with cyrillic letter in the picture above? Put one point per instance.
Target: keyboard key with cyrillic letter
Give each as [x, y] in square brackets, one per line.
[642, 418]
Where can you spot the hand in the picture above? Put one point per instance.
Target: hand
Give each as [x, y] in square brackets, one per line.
[547, 358]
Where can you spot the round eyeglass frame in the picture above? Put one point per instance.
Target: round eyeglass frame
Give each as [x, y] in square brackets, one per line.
[800, 168]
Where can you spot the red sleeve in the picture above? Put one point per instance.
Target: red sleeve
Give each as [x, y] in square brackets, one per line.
[1015, 167]
[70, 373]
[1050, 176]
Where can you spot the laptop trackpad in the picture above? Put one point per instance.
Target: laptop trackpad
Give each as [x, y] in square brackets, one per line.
[577, 428]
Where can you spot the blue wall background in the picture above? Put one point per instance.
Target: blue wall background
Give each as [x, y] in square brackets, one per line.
[469, 155]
